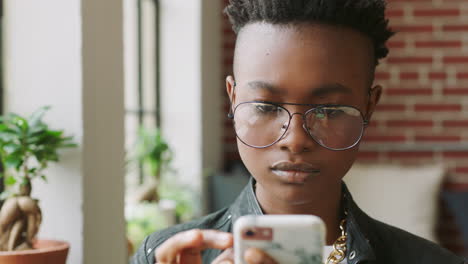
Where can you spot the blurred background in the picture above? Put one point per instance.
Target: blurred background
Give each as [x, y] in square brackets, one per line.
[140, 85]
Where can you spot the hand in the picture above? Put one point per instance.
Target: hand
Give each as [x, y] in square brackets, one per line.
[251, 256]
[186, 247]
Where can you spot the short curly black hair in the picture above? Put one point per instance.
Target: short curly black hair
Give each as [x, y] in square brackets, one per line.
[366, 16]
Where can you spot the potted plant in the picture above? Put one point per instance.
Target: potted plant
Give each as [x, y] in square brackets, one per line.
[27, 146]
[157, 202]
[153, 154]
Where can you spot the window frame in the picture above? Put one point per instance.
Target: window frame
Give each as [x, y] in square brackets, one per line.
[141, 110]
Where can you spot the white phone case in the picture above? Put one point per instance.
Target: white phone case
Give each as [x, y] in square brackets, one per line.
[291, 239]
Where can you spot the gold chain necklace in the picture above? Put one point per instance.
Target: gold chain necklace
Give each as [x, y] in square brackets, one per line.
[339, 247]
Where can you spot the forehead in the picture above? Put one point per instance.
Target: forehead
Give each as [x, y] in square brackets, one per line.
[303, 56]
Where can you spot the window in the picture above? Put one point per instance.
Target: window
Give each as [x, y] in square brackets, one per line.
[148, 70]
[142, 86]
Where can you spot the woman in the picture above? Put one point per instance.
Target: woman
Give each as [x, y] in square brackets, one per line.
[302, 95]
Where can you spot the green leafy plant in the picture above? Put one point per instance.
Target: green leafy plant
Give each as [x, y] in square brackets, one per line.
[143, 220]
[27, 146]
[153, 153]
[183, 197]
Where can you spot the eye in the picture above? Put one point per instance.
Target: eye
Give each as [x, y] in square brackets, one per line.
[333, 112]
[328, 113]
[267, 108]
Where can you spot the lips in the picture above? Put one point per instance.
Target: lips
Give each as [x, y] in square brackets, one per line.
[298, 173]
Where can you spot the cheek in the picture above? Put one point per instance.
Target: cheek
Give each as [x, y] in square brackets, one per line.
[339, 162]
[252, 158]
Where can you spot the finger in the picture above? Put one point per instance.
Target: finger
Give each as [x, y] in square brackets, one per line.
[217, 239]
[227, 257]
[211, 239]
[192, 242]
[170, 249]
[257, 256]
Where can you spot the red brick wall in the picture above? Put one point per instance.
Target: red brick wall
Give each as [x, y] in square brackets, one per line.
[423, 115]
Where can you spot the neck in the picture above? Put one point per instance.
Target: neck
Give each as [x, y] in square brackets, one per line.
[322, 202]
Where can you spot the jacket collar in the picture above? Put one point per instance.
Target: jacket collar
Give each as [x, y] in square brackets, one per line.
[246, 203]
[356, 224]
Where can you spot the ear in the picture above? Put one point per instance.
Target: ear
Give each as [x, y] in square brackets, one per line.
[230, 88]
[374, 97]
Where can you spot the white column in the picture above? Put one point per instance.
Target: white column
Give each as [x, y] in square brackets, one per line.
[103, 132]
[43, 67]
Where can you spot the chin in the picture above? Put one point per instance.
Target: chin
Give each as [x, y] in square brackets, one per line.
[294, 194]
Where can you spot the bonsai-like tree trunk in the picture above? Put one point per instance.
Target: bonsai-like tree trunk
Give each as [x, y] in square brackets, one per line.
[20, 218]
[148, 192]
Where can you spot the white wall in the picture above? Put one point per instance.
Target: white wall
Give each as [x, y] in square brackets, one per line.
[181, 84]
[72, 60]
[43, 67]
[191, 85]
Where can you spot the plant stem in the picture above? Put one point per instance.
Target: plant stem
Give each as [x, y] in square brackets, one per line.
[25, 186]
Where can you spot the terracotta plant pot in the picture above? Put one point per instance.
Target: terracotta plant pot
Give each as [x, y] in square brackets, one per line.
[44, 252]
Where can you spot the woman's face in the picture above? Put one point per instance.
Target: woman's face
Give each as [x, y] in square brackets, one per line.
[307, 64]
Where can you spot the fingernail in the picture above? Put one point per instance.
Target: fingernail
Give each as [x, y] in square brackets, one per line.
[225, 262]
[256, 257]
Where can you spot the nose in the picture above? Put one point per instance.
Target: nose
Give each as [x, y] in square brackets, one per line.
[297, 139]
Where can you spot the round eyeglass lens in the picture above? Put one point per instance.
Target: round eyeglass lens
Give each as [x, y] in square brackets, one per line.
[260, 124]
[337, 127]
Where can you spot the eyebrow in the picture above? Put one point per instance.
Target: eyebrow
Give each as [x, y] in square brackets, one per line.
[320, 91]
[327, 89]
[261, 85]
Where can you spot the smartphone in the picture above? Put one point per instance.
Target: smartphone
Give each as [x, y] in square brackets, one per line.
[289, 239]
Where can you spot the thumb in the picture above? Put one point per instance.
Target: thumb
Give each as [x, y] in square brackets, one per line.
[226, 257]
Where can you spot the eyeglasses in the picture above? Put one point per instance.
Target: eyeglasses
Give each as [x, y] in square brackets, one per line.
[262, 124]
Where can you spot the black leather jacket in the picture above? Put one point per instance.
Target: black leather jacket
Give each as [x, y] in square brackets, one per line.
[369, 241]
